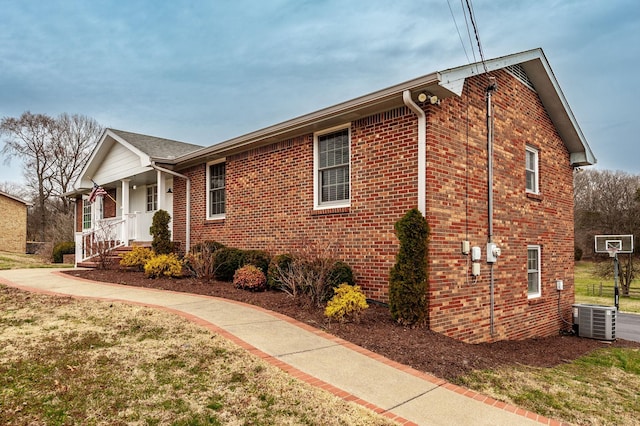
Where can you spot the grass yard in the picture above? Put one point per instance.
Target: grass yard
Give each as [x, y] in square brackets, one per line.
[17, 260]
[598, 389]
[586, 280]
[67, 361]
[602, 388]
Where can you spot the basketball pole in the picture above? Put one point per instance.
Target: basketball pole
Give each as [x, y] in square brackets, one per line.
[616, 291]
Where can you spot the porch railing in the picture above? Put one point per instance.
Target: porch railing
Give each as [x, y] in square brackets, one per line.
[107, 235]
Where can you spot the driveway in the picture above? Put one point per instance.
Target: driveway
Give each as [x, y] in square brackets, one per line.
[628, 327]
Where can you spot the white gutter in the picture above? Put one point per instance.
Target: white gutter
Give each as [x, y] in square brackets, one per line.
[187, 237]
[422, 150]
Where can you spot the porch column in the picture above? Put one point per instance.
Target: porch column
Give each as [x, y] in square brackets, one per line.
[125, 210]
[161, 190]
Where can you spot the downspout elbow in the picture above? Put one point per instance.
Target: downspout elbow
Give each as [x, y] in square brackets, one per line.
[422, 150]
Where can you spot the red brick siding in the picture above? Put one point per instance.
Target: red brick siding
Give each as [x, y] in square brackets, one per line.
[270, 198]
[460, 306]
[270, 206]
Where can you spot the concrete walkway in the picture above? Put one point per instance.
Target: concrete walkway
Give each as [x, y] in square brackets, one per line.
[394, 390]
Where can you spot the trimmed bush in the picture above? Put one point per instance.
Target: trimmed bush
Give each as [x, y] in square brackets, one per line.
[279, 264]
[60, 249]
[250, 277]
[137, 257]
[159, 229]
[340, 273]
[408, 278]
[227, 261]
[348, 303]
[163, 264]
[259, 258]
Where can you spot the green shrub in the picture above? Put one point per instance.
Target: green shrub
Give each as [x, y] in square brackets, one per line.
[60, 249]
[348, 303]
[340, 273]
[137, 257]
[163, 264]
[250, 277]
[259, 258]
[159, 229]
[279, 264]
[408, 278]
[227, 261]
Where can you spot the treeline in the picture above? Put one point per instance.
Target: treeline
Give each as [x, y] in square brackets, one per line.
[52, 151]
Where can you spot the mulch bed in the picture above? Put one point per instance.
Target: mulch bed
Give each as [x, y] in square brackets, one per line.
[421, 348]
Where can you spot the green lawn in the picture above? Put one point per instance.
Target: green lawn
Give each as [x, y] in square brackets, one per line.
[585, 282]
[19, 261]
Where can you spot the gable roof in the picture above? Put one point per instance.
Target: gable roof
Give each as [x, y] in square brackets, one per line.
[443, 84]
[155, 147]
[13, 197]
[144, 148]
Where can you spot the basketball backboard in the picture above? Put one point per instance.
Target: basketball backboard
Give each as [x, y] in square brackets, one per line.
[615, 244]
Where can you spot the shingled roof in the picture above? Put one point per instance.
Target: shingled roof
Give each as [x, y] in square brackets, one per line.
[155, 147]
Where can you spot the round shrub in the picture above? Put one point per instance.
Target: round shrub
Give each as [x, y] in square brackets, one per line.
[348, 303]
[60, 249]
[163, 264]
[250, 277]
[137, 257]
[227, 261]
[340, 273]
[279, 264]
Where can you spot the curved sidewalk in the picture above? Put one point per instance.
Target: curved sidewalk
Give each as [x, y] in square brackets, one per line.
[355, 374]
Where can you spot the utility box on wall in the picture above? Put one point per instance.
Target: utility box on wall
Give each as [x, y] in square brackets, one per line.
[595, 321]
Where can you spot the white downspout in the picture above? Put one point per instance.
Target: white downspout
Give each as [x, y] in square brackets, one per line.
[422, 150]
[187, 237]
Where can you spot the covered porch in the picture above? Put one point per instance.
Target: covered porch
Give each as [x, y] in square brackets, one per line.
[131, 186]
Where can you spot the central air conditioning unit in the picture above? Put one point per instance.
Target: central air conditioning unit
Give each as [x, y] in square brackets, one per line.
[595, 321]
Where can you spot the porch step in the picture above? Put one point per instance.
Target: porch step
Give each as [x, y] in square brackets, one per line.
[114, 255]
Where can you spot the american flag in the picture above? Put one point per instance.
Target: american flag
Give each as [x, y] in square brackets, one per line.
[97, 191]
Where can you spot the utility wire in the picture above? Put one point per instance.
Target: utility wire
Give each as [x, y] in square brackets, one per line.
[458, 30]
[475, 30]
[466, 22]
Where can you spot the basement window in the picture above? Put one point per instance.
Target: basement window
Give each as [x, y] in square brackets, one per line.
[533, 272]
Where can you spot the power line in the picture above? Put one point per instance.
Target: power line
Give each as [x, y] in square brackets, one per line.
[464, 12]
[475, 30]
[458, 30]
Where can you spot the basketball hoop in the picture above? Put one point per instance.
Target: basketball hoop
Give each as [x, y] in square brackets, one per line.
[613, 251]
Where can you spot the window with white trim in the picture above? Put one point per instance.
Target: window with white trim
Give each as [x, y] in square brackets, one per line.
[532, 171]
[152, 198]
[216, 193]
[332, 168]
[86, 214]
[533, 271]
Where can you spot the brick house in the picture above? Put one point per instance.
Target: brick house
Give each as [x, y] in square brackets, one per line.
[13, 223]
[345, 174]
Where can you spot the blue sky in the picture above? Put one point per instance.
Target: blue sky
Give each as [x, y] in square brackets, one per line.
[206, 71]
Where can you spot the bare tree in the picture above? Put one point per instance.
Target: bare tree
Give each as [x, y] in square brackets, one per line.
[607, 202]
[30, 139]
[73, 141]
[53, 152]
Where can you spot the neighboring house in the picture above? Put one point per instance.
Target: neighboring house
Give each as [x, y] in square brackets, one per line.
[13, 223]
[345, 174]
